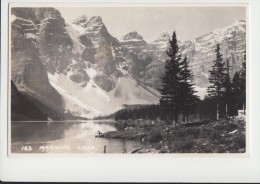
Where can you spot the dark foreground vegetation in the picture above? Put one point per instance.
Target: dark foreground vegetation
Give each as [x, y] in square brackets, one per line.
[223, 136]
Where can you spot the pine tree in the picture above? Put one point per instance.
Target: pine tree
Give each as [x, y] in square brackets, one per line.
[239, 88]
[228, 93]
[216, 79]
[236, 91]
[171, 80]
[242, 74]
[188, 97]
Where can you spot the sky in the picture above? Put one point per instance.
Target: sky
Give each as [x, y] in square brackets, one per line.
[188, 22]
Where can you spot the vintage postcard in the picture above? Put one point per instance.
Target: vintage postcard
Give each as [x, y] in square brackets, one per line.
[130, 78]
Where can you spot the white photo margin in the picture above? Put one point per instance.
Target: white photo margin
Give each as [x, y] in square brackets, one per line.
[152, 168]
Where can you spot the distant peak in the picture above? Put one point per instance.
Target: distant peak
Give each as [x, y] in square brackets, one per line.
[84, 20]
[81, 19]
[164, 35]
[239, 22]
[96, 19]
[84, 16]
[132, 35]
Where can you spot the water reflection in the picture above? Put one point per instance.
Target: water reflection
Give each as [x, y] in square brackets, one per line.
[66, 137]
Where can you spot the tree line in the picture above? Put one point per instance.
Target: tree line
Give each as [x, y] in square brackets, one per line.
[178, 97]
[228, 94]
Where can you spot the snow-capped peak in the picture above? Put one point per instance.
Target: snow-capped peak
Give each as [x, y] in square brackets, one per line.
[239, 22]
[237, 26]
[132, 36]
[95, 20]
[85, 22]
[81, 19]
[163, 37]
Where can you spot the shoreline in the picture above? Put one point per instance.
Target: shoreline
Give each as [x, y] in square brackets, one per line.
[223, 136]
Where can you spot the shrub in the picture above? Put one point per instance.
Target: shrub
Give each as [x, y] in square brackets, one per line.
[183, 146]
[239, 141]
[194, 132]
[155, 136]
[226, 126]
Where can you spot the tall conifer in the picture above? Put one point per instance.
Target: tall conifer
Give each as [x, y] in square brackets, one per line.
[216, 79]
[188, 97]
[227, 84]
[171, 80]
[242, 74]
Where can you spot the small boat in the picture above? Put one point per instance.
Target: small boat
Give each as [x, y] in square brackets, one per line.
[99, 134]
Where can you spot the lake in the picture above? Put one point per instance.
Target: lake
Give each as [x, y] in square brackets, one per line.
[67, 137]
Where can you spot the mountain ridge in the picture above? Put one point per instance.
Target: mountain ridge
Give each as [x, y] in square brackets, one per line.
[84, 62]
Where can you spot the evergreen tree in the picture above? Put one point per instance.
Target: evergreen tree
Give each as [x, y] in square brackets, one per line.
[228, 93]
[216, 79]
[188, 97]
[236, 91]
[242, 74]
[239, 87]
[171, 80]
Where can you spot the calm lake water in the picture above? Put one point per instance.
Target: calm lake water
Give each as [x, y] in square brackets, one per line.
[67, 137]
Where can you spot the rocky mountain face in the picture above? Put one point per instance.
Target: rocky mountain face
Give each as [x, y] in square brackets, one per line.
[109, 56]
[19, 102]
[160, 45]
[201, 52]
[27, 70]
[78, 67]
[98, 49]
[155, 69]
[135, 43]
[81, 69]
[109, 66]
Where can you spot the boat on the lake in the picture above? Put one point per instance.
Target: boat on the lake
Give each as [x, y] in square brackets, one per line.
[99, 134]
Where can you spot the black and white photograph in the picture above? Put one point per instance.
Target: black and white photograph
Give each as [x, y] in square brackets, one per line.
[128, 79]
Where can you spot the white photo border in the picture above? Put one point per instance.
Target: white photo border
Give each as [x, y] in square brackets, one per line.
[118, 168]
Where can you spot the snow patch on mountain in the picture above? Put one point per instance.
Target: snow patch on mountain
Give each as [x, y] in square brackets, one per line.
[132, 40]
[73, 103]
[77, 28]
[91, 72]
[92, 101]
[74, 33]
[120, 67]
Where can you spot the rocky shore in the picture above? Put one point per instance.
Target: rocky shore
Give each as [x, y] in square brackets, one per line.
[224, 136]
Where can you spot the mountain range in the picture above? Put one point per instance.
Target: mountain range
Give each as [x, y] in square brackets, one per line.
[79, 68]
